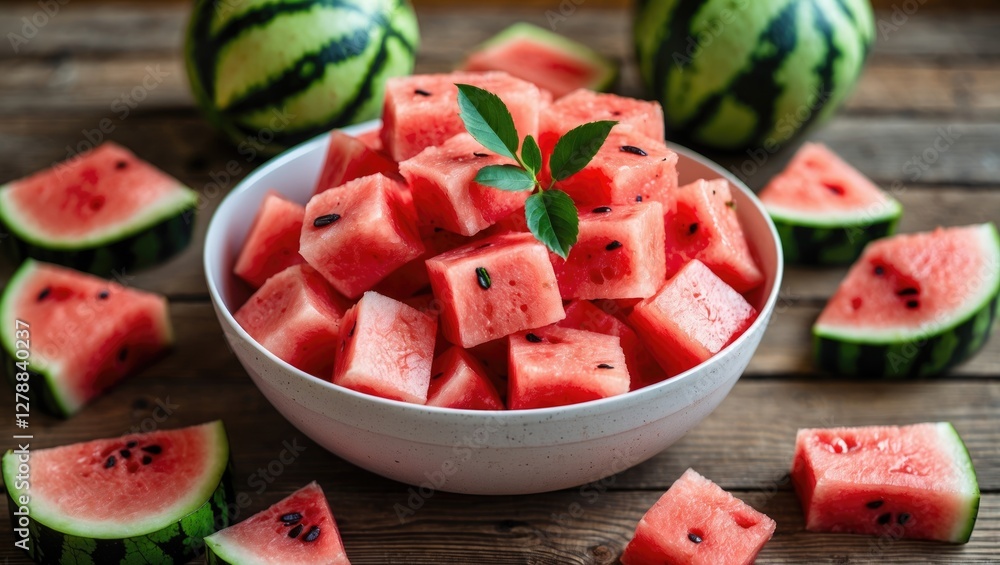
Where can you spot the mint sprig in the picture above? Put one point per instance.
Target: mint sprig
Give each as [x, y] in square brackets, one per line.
[551, 214]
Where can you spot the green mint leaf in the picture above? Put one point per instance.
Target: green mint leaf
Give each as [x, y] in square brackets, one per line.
[577, 147]
[506, 177]
[486, 117]
[531, 155]
[553, 219]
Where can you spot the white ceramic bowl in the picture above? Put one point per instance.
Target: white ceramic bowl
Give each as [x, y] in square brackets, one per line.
[514, 452]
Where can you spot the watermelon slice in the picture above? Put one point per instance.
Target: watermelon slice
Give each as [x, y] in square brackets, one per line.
[297, 530]
[549, 60]
[619, 253]
[697, 523]
[422, 110]
[913, 305]
[691, 318]
[349, 158]
[273, 242]
[458, 380]
[103, 211]
[85, 333]
[143, 498]
[494, 287]
[902, 481]
[582, 106]
[557, 366]
[296, 316]
[825, 210]
[701, 223]
[386, 349]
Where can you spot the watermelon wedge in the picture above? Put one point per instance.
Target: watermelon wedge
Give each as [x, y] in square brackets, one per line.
[144, 498]
[297, 530]
[825, 210]
[85, 333]
[900, 481]
[102, 212]
[549, 60]
[913, 305]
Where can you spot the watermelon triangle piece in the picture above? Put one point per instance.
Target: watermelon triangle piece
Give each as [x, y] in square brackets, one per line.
[298, 530]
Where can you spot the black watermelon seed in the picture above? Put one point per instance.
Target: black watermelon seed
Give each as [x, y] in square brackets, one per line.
[693, 228]
[634, 150]
[912, 304]
[421, 92]
[146, 459]
[638, 198]
[325, 220]
[731, 204]
[602, 209]
[131, 444]
[353, 327]
[437, 376]
[438, 230]
[903, 518]
[613, 245]
[123, 354]
[875, 504]
[533, 338]
[121, 165]
[694, 537]
[103, 295]
[312, 534]
[154, 449]
[483, 278]
[291, 518]
[884, 519]
[125, 453]
[44, 293]
[294, 532]
[908, 291]
[879, 271]
[110, 462]
[478, 154]
[605, 366]
[484, 246]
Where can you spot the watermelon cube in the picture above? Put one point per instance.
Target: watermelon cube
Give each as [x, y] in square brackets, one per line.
[296, 316]
[386, 349]
[422, 110]
[557, 366]
[642, 366]
[583, 105]
[629, 167]
[372, 139]
[697, 523]
[701, 223]
[273, 242]
[411, 279]
[619, 254]
[912, 482]
[445, 193]
[359, 233]
[349, 158]
[494, 287]
[459, 381]
[691, 318]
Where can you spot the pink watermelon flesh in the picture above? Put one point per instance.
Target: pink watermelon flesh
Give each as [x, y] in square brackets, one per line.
[356, 234]
[412, 279]
[619, 253]
[492, 355]
[266, 537]
[494, 287]
[902, 481]
[643, 369]
[441, 179]
[697, 523]
[582, 106]
[349, 158]
[86, 333]
[459, 381]
[386, 349]
[422, 110]
[557, 366]
[914, 284]
[701, 223]
[296, 316]
[691, 318]
[88, 488]
[95, 196]
[273, 242]
[620, 173]
[373, 139]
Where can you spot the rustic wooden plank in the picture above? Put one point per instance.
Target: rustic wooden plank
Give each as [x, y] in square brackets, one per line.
[890, 86]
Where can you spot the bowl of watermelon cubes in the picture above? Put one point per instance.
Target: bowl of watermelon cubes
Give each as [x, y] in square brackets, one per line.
[412, 321]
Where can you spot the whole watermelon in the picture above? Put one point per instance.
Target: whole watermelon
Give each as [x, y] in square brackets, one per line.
[736, 74]
[272, 74]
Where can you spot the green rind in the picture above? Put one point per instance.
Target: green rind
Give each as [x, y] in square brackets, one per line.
[814, 245]
[964, 460]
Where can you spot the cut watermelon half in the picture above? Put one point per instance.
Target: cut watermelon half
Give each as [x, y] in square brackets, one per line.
[825, 210]
[103, 211]
[85, 333]
[298, 530]
[144, 498]
[549, 60]
[913, 305]
[905, 482]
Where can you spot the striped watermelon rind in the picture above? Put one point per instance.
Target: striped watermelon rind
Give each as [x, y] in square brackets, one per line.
[297, 91]
[963, 459]
[835, 242]
[864, 353]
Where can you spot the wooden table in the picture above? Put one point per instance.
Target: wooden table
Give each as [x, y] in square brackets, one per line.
[938, 74]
